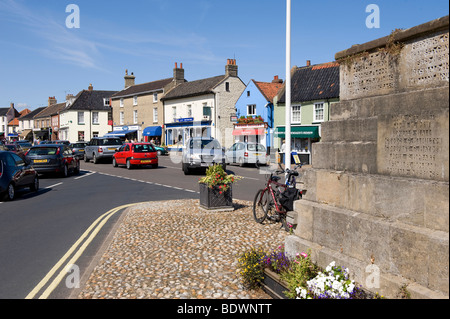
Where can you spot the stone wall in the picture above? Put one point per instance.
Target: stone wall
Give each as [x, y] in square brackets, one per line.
[378, 191]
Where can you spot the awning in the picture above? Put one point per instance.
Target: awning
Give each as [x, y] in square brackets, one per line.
[251, 131]
[299, 132]
[152, 131]
[25, 133]
[119, 133]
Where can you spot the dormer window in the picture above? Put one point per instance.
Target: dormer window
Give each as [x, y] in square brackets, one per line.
[106, 102]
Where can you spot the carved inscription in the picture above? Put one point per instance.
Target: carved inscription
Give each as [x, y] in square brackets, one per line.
[413, 147]
[428, 60]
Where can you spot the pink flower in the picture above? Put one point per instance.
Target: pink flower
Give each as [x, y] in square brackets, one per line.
[304, 255]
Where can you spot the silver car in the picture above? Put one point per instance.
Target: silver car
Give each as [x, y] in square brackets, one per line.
[100, 148]
[246, 153]
[201, 152]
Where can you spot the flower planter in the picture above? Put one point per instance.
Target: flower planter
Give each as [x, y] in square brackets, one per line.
[273, 285]
[212, 199]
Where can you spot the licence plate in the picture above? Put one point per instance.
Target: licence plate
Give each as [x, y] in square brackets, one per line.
[146, 161]
[81, 151]
[257, 154]
[111, 149]
[39, 161]
[204, 164]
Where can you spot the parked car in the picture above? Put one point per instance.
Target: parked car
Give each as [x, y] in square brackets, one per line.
[78, 148]
[201, 152]
[24, 144]
[136, 154]
[160, 150]
[15, 173]
[101, 147]
[58, 142]
[15, 149]
[247, 153]
[53, 158]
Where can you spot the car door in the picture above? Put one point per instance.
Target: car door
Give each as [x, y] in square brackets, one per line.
[230, 154]
[119, 155]
[68, 157]
[17, 165]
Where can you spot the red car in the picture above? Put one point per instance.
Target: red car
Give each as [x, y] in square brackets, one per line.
[136, 154]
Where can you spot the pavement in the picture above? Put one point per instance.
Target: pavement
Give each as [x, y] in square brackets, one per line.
[175, 250]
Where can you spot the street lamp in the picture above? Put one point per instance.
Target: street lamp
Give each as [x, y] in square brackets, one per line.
[287, 154]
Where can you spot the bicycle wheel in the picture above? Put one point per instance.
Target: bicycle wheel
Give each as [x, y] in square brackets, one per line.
[260, 205]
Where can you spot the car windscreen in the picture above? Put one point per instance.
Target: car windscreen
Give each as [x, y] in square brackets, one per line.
[143, 148]
[10, 147]
[256, 147]
[204, 144]
[25, 144]
[78, 145]
[42, 151]
[109, 141]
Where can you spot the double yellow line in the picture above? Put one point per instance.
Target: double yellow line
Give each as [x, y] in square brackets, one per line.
[93, 231]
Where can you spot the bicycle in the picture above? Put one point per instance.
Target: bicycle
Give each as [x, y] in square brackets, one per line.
[276, 199]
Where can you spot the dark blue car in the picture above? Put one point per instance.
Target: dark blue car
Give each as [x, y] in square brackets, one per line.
[15, 173]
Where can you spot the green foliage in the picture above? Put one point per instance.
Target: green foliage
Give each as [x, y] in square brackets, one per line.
[216, 177]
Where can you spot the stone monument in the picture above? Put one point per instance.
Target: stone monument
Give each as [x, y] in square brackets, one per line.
[377, 195]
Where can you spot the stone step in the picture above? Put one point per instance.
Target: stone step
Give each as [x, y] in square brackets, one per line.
[415, 254]
[417, 202]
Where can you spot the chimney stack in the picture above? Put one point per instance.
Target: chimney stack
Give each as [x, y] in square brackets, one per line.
[51, 101]
[231, 69]
[129, 79]
[276, 79]
[178, 74]
[308, 62]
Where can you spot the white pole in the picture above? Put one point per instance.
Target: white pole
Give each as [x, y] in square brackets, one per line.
[287, 153]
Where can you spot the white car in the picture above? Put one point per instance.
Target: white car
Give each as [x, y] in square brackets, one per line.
[202, 152]
[247, 153]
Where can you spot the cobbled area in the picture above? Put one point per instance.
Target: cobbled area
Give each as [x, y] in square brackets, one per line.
[173, 249]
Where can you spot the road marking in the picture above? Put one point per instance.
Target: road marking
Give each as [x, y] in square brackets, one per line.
[98, 224]
[91, 172]
[51, 186]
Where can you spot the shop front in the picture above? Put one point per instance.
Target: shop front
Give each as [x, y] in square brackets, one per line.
[302, 138]
[256, 133]
[178, 133]
[152, 133]
[129, 133]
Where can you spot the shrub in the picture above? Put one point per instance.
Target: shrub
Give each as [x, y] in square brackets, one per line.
[251, 268]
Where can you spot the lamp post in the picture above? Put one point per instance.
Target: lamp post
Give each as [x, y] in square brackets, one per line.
[287, 152]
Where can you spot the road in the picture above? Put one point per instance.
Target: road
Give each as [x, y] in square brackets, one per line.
[38, 230]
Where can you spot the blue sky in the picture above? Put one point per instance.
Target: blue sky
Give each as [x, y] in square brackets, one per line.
[41, 57]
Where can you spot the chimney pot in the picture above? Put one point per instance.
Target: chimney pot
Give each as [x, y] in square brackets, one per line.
[308, 62]
[181, 65]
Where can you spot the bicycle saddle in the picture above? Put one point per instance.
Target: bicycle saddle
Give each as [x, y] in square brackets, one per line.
[276, 178]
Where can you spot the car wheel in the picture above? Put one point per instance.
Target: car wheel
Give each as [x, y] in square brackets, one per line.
[129, 166]
[241, 162]
[77, 168]
[35, 186]
[95, 159]
[114, 162]
[185, 169]
[159, 153]
[65, 172]
[10, 192]
[86, 159]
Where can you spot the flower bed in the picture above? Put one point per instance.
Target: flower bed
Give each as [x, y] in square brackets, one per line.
[299, 277]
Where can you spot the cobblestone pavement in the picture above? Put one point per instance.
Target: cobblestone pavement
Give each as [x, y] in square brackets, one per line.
[173, 249]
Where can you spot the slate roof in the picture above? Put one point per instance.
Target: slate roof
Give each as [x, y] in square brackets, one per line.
[50, 110]
[31, 115]
[91, 101]
[314, 82]
[194, 88]
[143, 88]
[268, 90]
[3, 111]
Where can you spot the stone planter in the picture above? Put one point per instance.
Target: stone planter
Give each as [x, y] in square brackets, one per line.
[273, 285]
[213, 200]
